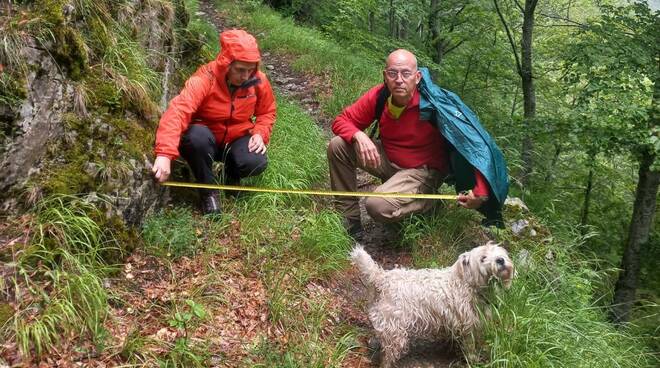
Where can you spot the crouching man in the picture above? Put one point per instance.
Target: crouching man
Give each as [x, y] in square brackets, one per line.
[418, 149]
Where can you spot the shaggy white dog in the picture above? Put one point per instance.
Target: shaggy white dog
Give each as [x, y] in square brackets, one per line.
[431, 303]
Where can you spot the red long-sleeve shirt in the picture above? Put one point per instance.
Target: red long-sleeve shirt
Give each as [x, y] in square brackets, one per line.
[408, 141]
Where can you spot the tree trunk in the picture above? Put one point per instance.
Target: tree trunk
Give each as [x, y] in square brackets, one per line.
[640, 224]
[638, 236]
[551, 170]
[525, 70]
[468, 69]
[392, 19]
[420, 30]
[490, 62]
[529, 94]
[433, 25]
[403, 29]
[370, 21]
[584, 218]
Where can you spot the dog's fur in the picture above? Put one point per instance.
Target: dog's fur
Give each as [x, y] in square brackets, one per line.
[431, 303]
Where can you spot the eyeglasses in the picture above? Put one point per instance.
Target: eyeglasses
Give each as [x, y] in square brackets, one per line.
[394, 74]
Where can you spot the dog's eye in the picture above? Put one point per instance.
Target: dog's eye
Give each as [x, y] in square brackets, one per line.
[483, 259]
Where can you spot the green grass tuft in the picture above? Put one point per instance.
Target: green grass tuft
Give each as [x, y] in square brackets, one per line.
[60, 273]
[172, 232]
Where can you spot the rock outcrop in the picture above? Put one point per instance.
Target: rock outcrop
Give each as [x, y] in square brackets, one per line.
[68, 136]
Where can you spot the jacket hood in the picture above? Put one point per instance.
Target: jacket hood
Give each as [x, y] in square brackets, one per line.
[238, 45]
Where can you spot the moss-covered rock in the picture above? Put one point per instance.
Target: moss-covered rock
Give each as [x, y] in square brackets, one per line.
[65, 44]
[89, 105]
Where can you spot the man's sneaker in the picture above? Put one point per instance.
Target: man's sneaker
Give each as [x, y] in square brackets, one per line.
[211, 204]
[354, 229]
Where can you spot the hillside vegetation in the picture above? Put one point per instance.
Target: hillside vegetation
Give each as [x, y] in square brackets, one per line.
[101, 267]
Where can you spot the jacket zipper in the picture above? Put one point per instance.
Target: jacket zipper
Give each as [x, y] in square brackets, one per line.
[231, 112]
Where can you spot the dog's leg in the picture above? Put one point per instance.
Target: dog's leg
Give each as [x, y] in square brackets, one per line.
[471, 346]
[394, 345]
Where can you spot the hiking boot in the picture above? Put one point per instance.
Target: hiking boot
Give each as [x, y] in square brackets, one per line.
[354, 229]
[496, 221]
[232, 181]
[211, 204]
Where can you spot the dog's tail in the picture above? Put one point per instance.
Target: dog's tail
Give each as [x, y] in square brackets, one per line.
[372, 273]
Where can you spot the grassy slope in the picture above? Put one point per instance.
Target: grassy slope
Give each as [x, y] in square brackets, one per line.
[549, 317]
[289, 244]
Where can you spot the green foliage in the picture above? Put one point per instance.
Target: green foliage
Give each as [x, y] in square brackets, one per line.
[548, 318]
[200, 38]
[12, 91]
[60, 273]
[100, 155]
[183, 319]
[172, 232]
[182, 353]
[613, 74]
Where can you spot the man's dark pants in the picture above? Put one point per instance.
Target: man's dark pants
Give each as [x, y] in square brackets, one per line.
[199, 148]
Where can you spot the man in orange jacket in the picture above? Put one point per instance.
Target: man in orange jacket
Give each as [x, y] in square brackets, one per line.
[225, 112]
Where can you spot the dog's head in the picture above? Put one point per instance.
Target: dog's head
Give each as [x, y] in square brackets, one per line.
[478, 266]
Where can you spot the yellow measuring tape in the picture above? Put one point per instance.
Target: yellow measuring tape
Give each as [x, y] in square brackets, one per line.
[311, 192]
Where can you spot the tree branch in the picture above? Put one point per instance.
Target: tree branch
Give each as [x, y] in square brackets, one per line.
[519, 6]
[508, 34]
[567, 20]
[533, 4]
[453, 47]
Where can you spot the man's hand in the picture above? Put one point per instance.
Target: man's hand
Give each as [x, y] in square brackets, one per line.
[470, 201]
[161, 168]
[366, 150]
[256, 144]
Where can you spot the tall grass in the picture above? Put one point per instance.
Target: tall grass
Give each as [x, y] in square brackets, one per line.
[291, 242]
[549, 319]
[58, 281]
[296, 160]
[171, 232]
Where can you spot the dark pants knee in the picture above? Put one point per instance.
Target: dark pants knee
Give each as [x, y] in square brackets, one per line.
[198, 147]
[241, 163]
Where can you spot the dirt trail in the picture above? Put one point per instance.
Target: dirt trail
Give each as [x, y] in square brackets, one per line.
[381, 241]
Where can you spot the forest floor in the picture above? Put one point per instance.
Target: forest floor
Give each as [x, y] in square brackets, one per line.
[381, 241]
[141, 325]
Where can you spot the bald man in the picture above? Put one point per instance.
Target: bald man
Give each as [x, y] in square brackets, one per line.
[411, 156]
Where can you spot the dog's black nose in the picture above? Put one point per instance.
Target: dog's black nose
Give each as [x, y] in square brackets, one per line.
[500, 261]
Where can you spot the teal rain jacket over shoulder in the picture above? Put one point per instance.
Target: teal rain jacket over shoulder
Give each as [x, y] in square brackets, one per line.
[461, 127]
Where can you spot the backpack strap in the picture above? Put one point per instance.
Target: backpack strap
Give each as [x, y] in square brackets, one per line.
[383, 94]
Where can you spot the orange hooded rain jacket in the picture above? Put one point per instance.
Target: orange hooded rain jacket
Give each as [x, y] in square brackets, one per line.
[206, 99]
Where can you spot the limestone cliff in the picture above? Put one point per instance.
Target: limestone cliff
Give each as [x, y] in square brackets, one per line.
[82, 84]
